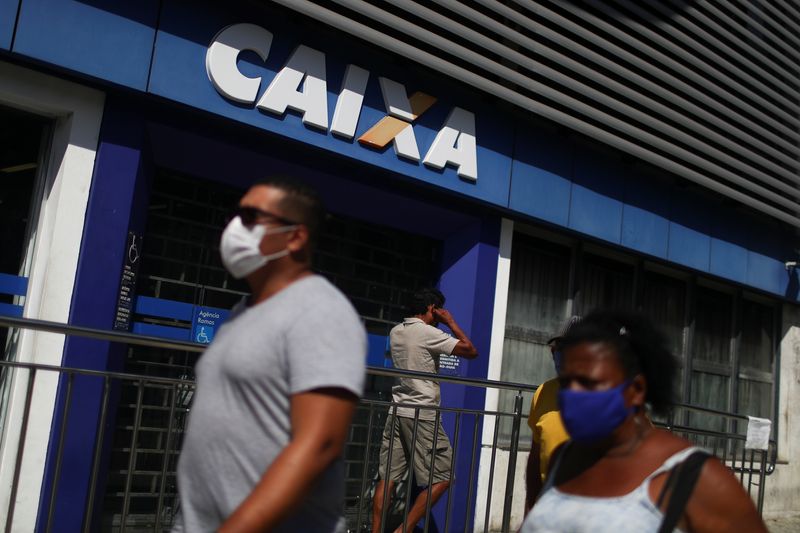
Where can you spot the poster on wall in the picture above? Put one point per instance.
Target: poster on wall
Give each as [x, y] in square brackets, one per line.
[449, 365]
[127, 284]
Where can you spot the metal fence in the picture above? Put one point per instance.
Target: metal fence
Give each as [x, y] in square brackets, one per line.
[139, 423]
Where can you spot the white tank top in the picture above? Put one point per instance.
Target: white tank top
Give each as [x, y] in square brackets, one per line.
[559, 512]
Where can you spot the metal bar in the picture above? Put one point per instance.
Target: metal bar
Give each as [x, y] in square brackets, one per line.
[761, 482]
[491, 473]
[512, 462]
[394, 373]
[132, 459]
[430, 474]
[411, 477]
[471, 493]
[23, 432]
[388, 476]
[100, 334]
[744, 459]
[59, 453]
[750, 474]
[142, 340]
[98, 452]
[452, 489]
[129, 338]
[365, 467]
[725, 452]
[164, 466]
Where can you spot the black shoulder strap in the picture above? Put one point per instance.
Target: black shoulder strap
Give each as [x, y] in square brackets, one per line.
[555, 463]
[681, 482]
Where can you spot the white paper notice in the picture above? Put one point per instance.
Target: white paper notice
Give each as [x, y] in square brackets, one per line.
[758, 430]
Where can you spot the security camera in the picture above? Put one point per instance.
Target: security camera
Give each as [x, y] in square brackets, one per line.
[790, 265]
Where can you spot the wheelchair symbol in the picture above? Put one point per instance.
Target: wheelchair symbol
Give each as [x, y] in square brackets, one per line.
[202, 337]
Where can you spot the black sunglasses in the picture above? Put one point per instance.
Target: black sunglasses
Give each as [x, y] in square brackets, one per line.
[254, 215]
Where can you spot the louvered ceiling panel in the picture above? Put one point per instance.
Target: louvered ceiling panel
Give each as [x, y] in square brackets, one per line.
[707, 90]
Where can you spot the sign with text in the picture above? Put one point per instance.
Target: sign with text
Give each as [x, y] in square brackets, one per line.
[449, 365]
[205, 322]
[127, 285]
[333, 94]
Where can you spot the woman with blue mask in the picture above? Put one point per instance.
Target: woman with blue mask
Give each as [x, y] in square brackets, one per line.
[611, 476]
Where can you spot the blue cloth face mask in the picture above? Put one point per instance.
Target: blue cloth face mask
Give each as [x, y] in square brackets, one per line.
[593, 415]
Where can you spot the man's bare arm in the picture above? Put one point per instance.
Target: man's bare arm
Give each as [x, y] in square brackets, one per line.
[464, 348]
[320, 423]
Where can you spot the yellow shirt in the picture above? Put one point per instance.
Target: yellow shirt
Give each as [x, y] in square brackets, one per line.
[545, 421]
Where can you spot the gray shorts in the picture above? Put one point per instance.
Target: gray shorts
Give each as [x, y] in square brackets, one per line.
[400, 431]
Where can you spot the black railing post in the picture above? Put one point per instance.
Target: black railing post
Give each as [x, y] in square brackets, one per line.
[512, 462]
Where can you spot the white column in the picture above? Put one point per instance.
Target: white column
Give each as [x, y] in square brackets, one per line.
[52, 261]
[492, 395]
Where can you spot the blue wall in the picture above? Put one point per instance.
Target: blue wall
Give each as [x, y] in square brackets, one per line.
[577, 185]
[468, 279]
[534, 170]
[117, 203]
[8, 18]
[107, 39]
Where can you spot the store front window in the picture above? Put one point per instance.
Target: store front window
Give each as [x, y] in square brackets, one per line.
[724, 337]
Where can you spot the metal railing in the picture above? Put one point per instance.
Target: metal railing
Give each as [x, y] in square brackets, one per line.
[724, 435]
[133, 469]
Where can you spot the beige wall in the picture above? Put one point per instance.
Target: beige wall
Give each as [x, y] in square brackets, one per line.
[783, 486]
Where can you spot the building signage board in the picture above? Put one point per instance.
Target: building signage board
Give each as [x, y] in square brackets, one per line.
[127, 284]
[275, 76]
[301, 85]
[206, 322]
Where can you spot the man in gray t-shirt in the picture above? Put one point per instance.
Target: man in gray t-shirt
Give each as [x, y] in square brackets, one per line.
[277, 388]
[417, 344]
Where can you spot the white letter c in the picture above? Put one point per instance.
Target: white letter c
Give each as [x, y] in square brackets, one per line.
[223, 53]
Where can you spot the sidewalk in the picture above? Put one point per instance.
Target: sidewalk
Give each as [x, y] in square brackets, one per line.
[784, 525]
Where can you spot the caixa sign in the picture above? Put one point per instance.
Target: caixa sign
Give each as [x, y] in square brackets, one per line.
[301, 86]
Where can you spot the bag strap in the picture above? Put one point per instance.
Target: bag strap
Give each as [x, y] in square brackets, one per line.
[680, 483]
[555, 464]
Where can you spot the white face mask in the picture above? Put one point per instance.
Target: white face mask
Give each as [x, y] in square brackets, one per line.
[240, 247]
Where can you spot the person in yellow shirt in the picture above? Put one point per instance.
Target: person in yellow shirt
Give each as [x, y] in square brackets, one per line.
[545, 422]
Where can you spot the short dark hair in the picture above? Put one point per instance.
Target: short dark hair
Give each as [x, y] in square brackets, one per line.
[420, 299]
[640, 346]
[301, 203]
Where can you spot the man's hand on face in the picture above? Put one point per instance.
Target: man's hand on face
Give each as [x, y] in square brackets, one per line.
[442, 315]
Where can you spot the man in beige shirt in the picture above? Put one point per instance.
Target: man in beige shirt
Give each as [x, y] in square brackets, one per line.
[417, 344]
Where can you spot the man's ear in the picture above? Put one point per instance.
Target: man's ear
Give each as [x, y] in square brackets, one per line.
[298, 239]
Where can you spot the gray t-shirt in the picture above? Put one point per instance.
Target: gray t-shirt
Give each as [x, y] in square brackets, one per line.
[417, 346]
[305, 337]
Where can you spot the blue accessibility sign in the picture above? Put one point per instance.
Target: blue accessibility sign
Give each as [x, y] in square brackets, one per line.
[205, 322]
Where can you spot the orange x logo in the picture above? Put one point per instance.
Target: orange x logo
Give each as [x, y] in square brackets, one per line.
[390, 126]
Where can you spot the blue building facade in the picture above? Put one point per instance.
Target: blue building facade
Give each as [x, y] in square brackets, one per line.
[223, 94]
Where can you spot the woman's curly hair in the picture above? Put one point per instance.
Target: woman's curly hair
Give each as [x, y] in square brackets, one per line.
[640, 346]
